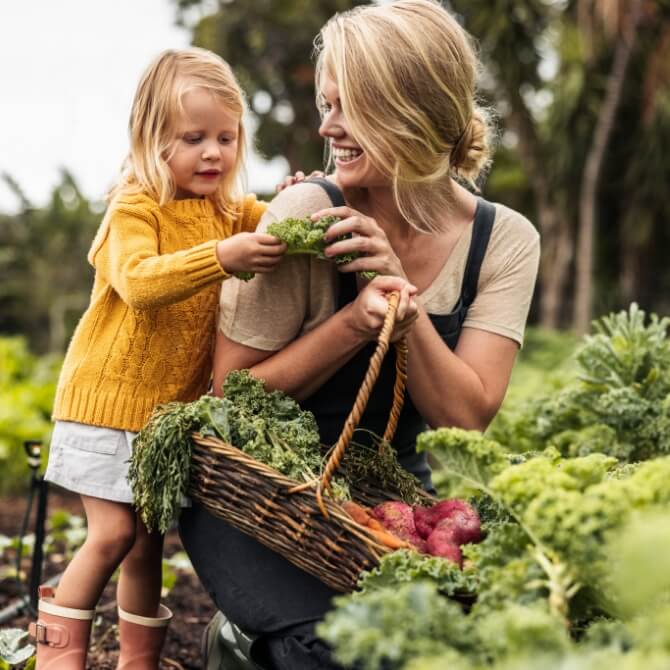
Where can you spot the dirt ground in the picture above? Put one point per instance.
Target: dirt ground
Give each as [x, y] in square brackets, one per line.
[191, 605]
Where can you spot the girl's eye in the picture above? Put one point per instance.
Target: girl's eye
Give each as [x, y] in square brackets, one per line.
[324, 108]
[191, 139]
[225, 139]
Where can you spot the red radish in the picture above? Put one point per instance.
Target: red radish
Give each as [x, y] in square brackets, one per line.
[442, 542]
[464, 528]
[468, 526]
[398, 518]
[422, 520]
[427, 518]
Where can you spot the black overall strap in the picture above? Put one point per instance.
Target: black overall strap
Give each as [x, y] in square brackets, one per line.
[481, 232]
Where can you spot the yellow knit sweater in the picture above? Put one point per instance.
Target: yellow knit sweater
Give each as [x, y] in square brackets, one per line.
[147, 335]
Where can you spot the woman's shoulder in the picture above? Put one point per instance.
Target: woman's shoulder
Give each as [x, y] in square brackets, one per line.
[513, 239]
[512, 227]
[299, 200]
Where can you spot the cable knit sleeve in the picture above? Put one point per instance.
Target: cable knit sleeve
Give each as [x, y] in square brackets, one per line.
[126, 254]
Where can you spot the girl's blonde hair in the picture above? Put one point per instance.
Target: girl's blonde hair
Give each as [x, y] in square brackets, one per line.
[153, 118]
[406, 74]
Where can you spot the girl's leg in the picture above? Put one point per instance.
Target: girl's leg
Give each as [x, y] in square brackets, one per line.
[142, 620]
[139, 587]
[110, 536]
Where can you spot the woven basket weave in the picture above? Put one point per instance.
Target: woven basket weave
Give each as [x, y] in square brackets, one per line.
[293, 518]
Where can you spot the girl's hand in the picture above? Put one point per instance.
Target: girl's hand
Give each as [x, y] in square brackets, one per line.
[297, 178]
[250, 252]
[368, 311]
[369, 241]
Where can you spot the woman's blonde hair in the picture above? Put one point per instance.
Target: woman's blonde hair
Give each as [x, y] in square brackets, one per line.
[153, 118]
[406, 73]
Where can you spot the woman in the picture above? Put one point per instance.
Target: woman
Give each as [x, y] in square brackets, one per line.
[396, 87]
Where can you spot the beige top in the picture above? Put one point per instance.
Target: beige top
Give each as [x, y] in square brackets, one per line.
[273, 309]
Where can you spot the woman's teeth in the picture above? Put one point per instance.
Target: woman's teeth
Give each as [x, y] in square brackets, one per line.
[346, 154]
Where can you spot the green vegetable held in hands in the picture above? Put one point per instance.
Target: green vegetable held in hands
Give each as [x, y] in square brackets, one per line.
[304, 236]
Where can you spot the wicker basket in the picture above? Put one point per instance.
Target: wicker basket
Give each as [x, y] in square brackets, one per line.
[290, 517]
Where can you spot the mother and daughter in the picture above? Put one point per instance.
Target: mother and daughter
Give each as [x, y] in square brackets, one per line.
[396, 87]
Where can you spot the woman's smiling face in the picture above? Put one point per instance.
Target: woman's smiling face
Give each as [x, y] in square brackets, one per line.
[354, 169]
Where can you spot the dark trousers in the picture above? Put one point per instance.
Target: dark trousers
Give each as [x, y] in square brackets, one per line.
[260, 592]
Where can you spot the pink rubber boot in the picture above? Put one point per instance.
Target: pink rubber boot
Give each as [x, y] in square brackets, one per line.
[142, 639]
[61, 634]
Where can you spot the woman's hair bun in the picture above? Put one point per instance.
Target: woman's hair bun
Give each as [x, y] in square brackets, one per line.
[471, 154]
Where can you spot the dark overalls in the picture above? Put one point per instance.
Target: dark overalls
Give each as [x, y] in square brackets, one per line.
[254, 587]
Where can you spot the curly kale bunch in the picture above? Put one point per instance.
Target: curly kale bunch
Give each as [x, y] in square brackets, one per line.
[618, 403]
[304, 236]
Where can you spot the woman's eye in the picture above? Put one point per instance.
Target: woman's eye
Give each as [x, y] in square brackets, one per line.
[325, 108]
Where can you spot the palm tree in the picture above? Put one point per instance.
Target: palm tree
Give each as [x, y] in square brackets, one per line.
[619, 19]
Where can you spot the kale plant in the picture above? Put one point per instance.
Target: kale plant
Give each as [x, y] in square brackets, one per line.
[619, 402]
[304, 236]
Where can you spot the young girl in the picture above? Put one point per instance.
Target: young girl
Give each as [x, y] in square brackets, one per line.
[175, 228]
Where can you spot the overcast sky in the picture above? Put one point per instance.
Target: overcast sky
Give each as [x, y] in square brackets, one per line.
[68, 71]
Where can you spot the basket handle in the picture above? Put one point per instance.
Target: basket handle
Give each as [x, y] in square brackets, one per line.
[363, 396]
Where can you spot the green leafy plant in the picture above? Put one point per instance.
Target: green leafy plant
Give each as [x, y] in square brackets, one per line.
[27, 388]
[404, 566]
[617, 402]
[388, 627]
[304, 236]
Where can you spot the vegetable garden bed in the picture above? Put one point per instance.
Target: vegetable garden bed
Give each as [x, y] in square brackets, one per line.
[192, 607]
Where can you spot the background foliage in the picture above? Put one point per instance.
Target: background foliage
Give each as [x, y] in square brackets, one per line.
[581, 90]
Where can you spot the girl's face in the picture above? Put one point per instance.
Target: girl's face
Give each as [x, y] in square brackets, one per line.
[354, 169]
[205, 146]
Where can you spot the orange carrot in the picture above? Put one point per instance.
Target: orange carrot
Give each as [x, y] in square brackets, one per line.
[389, 540]
[357, 512]
[375, 525]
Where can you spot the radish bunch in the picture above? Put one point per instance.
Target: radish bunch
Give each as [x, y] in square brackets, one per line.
[439, 530]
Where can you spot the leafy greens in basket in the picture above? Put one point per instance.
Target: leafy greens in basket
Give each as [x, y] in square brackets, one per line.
[268, 426]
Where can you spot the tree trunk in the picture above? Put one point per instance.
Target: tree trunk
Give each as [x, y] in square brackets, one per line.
[554, 227]
[583, 305]
[555, 264]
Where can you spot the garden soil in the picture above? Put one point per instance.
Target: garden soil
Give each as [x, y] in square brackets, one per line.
[191, 605]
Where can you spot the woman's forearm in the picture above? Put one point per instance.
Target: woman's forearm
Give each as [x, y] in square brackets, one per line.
[444, 388]
[304, 365]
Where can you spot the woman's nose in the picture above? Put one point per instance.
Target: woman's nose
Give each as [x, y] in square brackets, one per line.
[329, 127]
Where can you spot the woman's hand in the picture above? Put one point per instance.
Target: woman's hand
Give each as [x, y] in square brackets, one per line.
[369, 241]
[368, 311]
[296, 178]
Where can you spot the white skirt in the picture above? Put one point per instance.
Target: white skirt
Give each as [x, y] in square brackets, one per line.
[91, 460]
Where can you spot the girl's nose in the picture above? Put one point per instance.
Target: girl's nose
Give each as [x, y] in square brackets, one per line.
[211, 151]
